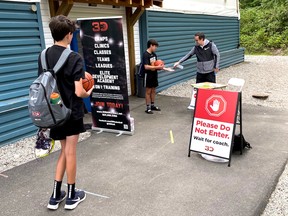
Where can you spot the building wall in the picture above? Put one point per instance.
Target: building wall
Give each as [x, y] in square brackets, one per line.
[211, 7]
[21, 40]
[27, 1]
[81, 10]
[175, 33]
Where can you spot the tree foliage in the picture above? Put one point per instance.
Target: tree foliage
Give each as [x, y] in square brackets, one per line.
[264, 25]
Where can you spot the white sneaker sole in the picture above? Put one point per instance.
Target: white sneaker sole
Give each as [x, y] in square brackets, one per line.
[55, 207]
[71, 207]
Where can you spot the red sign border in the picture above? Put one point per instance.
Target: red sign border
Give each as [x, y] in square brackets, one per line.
[239, 101]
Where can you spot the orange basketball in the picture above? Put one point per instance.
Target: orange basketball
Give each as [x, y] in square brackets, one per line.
[88, 82]
[158, 63]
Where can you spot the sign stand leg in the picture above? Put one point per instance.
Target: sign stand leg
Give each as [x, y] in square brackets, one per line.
[238, 111]
[119, 134]
[194, 102]
[240, 115]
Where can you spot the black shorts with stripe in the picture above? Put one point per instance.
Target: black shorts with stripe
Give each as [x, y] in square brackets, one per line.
[151, 79]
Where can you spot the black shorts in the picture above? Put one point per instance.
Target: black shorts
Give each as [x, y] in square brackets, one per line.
[207, 77]
[69, 128]
[151, 79]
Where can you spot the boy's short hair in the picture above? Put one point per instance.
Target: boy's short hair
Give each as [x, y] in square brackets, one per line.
[201, 35]
[152, 42]
[60, 26]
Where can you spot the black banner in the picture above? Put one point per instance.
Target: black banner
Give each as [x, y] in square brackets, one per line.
[103, 49]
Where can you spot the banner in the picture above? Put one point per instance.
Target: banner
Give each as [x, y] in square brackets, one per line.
[103, 50]
[214, 122]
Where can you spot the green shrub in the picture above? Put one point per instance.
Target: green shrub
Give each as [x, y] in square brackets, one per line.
[263, 26]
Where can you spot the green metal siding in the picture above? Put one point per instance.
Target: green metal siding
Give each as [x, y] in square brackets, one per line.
[21, 40]
[175, 34]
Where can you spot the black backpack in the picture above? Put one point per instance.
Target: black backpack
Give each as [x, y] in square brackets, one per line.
[237, 143]
[141, 71]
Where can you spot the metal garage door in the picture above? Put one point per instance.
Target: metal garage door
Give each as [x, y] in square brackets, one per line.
[175, 34]
[21, 40]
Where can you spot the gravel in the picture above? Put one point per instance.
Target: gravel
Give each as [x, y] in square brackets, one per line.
[23, 151]
[262, 74]
[278, 202]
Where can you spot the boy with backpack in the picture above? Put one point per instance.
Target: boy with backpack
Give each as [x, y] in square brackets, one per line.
[69, 82]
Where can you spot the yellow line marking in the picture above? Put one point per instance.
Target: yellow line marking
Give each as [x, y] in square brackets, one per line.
[171, 137]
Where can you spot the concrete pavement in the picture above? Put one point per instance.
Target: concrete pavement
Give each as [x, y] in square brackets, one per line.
[146, 175]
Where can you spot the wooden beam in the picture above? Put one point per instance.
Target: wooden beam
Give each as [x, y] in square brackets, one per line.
[53, 6]
[131, 48]
[136, 15]
[158, 3]
[65, 8]
[131, 19]
[123, 3]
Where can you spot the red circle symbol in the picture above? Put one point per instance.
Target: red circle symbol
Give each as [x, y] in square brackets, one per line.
[215, 105]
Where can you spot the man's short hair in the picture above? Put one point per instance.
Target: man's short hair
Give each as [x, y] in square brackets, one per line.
[60, 26]
[152, 42]
[201, 35]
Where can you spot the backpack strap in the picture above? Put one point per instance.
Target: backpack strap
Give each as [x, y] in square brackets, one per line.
[61, 61]
[43, 60]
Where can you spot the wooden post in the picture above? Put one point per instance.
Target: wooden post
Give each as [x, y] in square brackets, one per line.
[131, 19]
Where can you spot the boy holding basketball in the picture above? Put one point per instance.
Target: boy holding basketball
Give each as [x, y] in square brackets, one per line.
[69, 81]
[151, 75]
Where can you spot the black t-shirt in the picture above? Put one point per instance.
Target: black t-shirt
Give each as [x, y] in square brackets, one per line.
[70, 72]
[148, 58]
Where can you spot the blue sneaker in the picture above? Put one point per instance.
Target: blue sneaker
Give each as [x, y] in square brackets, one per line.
[54, 202]
[73, 203]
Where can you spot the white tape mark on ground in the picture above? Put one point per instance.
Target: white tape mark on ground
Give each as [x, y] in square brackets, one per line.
[98, 195]
[94, 194]
[157, 176]
[5, 176]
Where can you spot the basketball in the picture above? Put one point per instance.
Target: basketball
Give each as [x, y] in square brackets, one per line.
[159, 63]
[88, 82]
